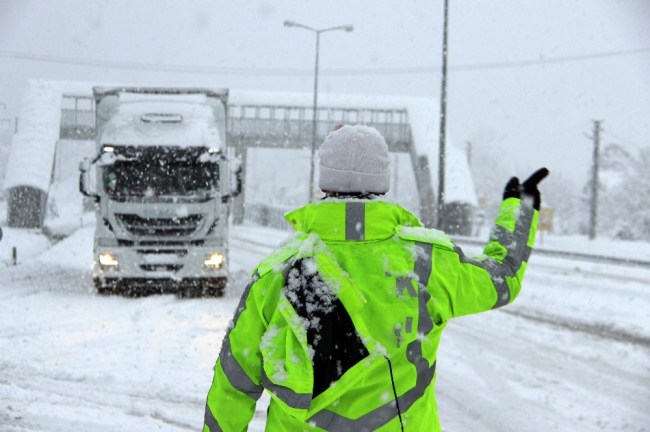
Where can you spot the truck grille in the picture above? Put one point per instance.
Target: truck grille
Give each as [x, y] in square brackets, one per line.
[167, 252]
[161, 267]
[174, 227]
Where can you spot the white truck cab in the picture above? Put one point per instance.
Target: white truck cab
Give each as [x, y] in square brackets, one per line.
[163, 183]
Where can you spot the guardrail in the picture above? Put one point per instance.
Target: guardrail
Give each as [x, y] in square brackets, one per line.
[632, 262]
[269, 216]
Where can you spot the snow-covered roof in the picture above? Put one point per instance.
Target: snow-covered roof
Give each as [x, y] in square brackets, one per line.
[425, 129]
[32, 150]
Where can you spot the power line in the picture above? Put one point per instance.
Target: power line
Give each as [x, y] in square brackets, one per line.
[622, 140]
[260, 71]
[550, 60]
[116, 64]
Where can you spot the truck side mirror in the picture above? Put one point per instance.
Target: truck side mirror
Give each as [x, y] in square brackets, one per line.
[87, 178]
[235, 179]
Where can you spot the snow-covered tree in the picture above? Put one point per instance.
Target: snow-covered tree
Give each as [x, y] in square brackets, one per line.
[562, 194]
[624, 193]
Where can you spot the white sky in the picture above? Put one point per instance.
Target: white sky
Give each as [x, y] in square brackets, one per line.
[534, 115]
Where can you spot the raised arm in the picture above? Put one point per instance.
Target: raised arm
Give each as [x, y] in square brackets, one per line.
[461, 285]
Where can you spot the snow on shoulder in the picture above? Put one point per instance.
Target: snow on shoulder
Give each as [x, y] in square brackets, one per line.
[427, 235]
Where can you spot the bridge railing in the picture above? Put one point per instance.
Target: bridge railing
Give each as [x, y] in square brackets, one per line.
[77, 117]
[292, 126]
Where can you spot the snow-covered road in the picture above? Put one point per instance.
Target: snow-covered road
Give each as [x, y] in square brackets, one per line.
[572, 354]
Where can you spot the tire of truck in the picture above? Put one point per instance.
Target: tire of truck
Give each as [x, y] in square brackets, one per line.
[204, 288]
[102, 289]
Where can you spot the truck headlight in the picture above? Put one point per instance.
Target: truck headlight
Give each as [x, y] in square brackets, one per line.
[214, 260]
[107, 259]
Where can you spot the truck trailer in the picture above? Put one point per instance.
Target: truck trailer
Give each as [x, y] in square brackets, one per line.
[163, 182]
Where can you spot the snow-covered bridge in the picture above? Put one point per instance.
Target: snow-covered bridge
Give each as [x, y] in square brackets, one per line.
[57, 128]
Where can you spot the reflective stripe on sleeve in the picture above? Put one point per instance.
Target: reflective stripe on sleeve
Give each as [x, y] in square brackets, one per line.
[497, 273]
[231, 368]
[210, 421]
[236, 375]
[286, 395]
[516, 243]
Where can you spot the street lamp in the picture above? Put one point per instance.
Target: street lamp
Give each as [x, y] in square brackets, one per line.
[443, 119]
[347, 28]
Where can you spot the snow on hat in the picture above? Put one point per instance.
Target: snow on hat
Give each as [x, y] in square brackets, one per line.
[354, 159]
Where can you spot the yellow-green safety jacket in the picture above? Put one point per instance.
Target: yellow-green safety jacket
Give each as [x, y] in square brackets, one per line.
[341, 324]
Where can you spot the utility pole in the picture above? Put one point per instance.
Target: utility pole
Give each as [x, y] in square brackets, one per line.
[469, 154]
[443, 118]
[593, 208]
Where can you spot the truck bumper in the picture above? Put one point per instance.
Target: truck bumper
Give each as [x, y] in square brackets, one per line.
[212, 287]
[157, 270]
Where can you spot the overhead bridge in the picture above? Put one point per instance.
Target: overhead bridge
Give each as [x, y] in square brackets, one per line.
[265, 125]
[291, 127]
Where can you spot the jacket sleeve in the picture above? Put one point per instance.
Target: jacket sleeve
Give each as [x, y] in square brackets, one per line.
[236, 385]
[461, 285]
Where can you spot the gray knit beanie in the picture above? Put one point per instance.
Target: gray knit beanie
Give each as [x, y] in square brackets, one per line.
[354, 159]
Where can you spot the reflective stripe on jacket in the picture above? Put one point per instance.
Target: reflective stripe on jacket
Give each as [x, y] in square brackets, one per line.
[342, 324]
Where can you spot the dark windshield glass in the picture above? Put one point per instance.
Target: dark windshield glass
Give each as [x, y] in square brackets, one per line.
[149, 178]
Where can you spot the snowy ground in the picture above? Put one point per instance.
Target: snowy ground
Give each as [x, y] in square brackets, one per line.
[572, 354]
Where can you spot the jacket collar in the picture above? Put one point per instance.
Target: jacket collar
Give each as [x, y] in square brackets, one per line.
[351, 219]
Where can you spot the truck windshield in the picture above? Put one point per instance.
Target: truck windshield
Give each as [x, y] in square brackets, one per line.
[155, 178]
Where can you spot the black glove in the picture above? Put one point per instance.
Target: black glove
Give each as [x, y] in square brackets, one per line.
[514, 190]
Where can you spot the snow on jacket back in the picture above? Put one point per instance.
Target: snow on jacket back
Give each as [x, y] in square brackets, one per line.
[341, 325]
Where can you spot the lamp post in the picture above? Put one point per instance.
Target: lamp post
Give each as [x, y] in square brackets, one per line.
[443, 119]
[347, 28]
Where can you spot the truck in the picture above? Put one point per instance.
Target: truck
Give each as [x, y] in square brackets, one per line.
[162, 181]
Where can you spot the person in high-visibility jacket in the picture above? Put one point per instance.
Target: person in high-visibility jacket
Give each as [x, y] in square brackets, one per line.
[341, 324]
